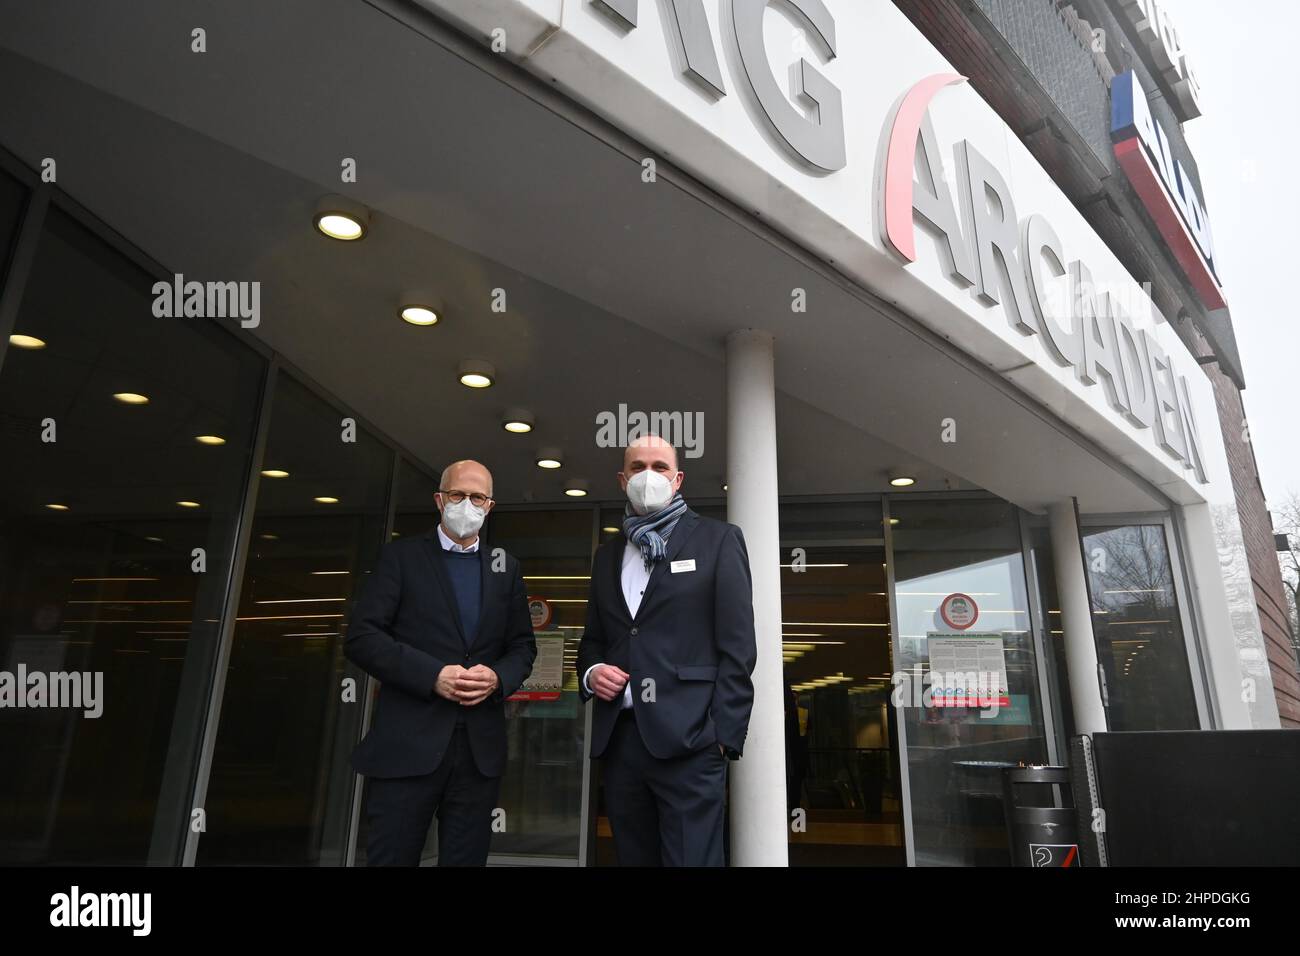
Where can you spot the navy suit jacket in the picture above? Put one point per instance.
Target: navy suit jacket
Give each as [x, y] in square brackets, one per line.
[406, 628]
[693, 636]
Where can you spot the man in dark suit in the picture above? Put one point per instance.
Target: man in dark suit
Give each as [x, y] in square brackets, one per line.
[444, 624]
[667, 652]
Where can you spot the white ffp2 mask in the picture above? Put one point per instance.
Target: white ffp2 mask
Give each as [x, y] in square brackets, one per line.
[649, 491]
[463, 518]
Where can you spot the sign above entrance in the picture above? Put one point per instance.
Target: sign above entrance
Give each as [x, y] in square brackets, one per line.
[1015, 261]
[756, 99]
[819, 141]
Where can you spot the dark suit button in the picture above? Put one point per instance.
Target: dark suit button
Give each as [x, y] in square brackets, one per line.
[633, 632]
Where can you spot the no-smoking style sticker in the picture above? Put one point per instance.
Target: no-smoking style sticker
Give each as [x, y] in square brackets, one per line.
[959, 611]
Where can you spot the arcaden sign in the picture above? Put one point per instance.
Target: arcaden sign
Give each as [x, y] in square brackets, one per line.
[985, 246]
[1011, 261]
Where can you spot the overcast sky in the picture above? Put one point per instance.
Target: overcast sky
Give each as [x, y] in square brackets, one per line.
[1246, 142]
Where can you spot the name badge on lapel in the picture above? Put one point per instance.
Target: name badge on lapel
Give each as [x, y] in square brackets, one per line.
[679, 566]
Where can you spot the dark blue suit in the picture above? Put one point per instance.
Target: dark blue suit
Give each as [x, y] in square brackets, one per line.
[690, 651]
[405, 628]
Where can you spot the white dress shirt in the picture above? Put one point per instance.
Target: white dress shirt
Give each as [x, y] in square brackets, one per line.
[449, 545]
[634, 579]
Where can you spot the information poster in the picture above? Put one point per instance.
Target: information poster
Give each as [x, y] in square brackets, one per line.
[547, 678]
[968, 670]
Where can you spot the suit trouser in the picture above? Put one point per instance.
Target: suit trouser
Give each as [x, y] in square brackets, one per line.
[663, 812]
[400, 810]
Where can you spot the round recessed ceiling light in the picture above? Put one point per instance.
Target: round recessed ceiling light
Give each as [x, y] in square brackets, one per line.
[269, 537]
[209, 439]
[419, 315]
[549, 458]
[475, 373]
[57, 507]
[274, 473]
[575, 488]
[341, 218]
[26, 341]
[131, 398]
[326, 500]
[188, 504]
[520, 421]
[610, 530]
[902, 481]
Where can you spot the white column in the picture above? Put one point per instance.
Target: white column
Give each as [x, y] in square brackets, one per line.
[1076, 619]
[758, 810]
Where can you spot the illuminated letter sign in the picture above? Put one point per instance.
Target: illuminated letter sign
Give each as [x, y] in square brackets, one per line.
[1164, 186]
[1010, 262]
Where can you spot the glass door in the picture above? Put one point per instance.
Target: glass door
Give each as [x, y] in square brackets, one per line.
[1144, 643]
[966, 673]
[842, 780]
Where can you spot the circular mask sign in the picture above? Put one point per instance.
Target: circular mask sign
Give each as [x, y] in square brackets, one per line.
[959, 611]
[539, 609]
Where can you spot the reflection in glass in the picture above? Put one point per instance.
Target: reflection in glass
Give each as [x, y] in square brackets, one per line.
[841, 736]
[956, 753]
[542, 789]
[120, 580]
[282, 784]
[1139, 632]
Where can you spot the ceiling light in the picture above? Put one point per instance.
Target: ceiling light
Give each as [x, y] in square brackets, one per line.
[475, 373]
[26, 341]
[326, 500]
[419, 307]
[520, 421]
[274, 473]
[209, 439]
[341, 218]
[610, 530]
[57, 507]
[549, 458]
[575, 488]
[902, 481]
[188, 504]
[131, 398]
[419, 315]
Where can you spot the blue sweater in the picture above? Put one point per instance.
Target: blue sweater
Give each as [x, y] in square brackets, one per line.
[465, 571]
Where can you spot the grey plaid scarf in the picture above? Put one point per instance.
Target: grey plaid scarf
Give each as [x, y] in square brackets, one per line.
[650, 532]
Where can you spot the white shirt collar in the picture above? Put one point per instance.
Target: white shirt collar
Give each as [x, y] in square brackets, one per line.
[449, 545]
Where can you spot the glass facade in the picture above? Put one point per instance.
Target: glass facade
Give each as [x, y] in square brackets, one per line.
[955, 754]
[1139, 630]
[285, 796]
[191, 520]
[841, 733]
[126, 451]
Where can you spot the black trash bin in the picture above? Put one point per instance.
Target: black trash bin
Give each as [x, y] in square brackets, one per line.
[1040, 835]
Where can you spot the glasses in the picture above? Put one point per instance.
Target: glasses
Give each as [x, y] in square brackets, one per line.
[456, 497]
